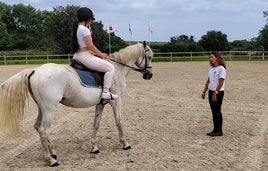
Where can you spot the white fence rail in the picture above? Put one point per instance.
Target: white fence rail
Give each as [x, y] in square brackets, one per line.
[228, 55]
[167, 56]
[34, 59]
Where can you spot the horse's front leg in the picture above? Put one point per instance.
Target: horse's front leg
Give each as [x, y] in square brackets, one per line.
[116, 105]
[96, 125]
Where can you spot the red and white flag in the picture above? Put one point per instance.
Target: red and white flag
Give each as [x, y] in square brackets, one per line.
[112, 29]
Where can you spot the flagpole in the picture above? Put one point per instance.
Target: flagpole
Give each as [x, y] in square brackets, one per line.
[150, 31]
[130, 33]
[149, 37]
[109, 42]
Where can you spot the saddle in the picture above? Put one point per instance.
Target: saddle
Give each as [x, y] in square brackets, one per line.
[87, 76]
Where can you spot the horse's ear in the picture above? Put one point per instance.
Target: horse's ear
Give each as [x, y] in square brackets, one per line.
[144, 44]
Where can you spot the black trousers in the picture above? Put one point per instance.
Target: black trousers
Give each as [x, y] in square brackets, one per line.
[216, 110]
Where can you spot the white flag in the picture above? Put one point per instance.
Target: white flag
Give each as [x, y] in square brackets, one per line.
[150, 29]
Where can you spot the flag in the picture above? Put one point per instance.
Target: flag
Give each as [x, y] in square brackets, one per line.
[112, 29]
[129, 28]
[150, 29]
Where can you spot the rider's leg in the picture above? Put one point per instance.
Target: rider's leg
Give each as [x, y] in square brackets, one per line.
[98, 64]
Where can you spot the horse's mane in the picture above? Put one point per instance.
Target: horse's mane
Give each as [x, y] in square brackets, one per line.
[128, 53]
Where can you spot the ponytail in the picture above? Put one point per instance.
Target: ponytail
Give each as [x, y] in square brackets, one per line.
[75, 45]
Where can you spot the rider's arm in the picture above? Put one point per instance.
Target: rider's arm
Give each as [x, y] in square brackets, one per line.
[93, 48]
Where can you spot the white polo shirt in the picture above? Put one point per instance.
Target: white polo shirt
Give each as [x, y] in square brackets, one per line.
[214, 74]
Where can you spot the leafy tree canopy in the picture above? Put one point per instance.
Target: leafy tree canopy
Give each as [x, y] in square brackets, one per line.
[214, 40]
[22, 27]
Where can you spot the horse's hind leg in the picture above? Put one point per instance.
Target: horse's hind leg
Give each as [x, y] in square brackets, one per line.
[42, 123]
[117, 116]
[96, 125]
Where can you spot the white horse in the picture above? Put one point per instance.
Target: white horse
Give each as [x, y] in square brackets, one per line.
[51, 84]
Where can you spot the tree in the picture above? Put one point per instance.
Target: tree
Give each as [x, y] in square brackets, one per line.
[24, 26]
[253, 44]
[100, 37]
[116, 43]
[265, 15]
[181, 43]
[214, 40]
[182, 38]
[240, 45]
[5, 39]
[262, 38]
[180, 47]
[59, 28]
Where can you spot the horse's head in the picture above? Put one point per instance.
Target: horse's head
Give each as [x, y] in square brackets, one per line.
[139, 54]
[145, 62]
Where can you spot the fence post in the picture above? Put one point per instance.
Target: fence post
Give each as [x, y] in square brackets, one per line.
[69, 58]
[26, 59]
[230, 55]
[170, 56]
[47, 59]
[262, 55]
[191, 56]
[5, 59]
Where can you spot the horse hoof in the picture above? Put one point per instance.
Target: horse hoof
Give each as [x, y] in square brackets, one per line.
[95, 152]
[127, 148]
[55, 164]
[54, 156]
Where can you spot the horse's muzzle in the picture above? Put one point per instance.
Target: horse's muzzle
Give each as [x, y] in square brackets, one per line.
[147, 75]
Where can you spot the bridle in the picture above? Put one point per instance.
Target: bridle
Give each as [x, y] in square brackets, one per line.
[142, 70]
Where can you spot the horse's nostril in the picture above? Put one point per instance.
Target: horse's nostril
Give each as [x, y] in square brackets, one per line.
[147, 75]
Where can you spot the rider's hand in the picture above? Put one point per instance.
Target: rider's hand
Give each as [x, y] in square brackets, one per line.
[104, 55]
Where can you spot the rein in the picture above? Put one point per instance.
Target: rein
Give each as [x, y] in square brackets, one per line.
[131, 67]
[134, 68]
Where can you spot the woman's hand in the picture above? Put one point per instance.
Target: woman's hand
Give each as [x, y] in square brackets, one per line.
[203, 95]
[214, 97]
[104, 55]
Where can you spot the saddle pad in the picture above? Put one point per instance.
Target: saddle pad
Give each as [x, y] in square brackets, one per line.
[86, 77]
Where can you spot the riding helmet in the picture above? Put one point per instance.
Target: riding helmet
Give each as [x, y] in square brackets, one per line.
[84, 11]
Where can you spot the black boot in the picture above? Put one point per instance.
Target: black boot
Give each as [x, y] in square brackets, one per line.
[214, 134]
[217, 119]
[214, 125]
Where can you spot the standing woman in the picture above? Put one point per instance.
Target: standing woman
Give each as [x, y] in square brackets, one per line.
[215, 83]
[87, 53]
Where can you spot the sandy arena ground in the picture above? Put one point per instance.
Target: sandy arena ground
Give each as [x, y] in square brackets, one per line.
[165, 121]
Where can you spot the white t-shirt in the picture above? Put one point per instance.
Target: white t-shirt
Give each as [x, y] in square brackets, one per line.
[214, 74]
[82, 32]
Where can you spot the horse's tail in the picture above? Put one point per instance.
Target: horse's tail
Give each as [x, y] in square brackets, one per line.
[13, 95]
